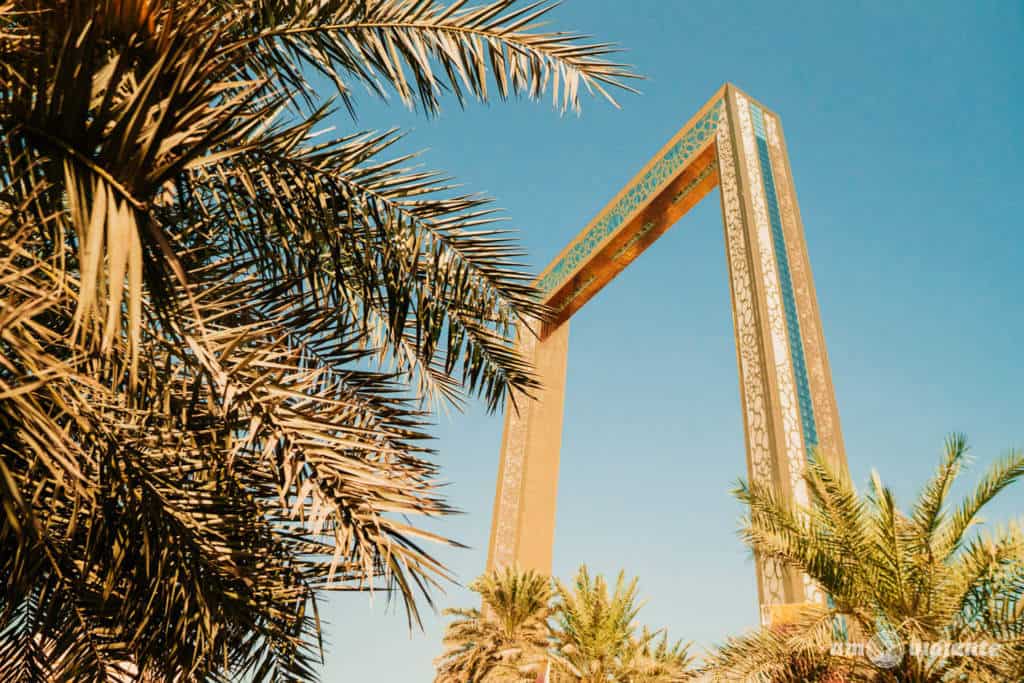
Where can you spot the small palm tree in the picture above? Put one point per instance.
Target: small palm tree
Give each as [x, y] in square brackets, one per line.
[588, 634]
[507, 640]
[894, 579]
[650, 659]
[593, 632]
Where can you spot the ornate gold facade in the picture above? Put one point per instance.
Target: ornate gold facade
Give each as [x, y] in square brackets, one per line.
[785, 383]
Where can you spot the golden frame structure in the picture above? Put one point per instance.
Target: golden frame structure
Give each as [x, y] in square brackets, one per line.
[788, 401]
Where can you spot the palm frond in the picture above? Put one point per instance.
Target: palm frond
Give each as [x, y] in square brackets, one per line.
[777, 530]
[421, 48]
[1001, 475]
[797, 652]
[928, 509]
[424, 276]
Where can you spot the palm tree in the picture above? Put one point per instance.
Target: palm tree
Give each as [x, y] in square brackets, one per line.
[895, 579]
[505, 641]
[219, 331]
[594, 629]
[650, 659]
[588, 634]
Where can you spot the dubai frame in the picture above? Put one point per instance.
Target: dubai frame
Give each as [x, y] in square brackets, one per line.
[788, 402]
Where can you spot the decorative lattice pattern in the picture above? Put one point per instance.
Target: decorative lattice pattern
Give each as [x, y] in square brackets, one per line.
[662, 171]
[752, 373]
[796, 348]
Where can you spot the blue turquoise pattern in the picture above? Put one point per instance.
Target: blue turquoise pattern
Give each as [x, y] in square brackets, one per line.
[796, 347]
[663, 170]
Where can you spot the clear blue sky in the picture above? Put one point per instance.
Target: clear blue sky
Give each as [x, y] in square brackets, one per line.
[904, 127]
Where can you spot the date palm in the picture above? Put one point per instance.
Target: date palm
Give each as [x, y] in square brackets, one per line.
[219, 330]
[594, 628]
[650, 659]
[588, 634]
[922, 576]
[506, 640]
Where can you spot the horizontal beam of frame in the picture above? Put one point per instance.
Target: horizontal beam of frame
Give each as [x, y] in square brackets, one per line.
[675, 180]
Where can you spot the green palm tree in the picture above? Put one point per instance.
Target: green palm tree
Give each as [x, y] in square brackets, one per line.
[895, 579]
[650, 659]
[506, 640]
[219, 329]
[594, 628]
[588, 634]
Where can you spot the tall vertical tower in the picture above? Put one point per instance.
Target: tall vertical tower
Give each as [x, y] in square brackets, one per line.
[788, 402]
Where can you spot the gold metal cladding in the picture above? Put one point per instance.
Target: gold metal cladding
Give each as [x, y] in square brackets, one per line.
[672, 182]
[523, 525]
[826, 412]
[753, 383]
[647, 224]
[793, 442]
[718, 146]
[510, 475]
[784, 613]
[791, 450]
